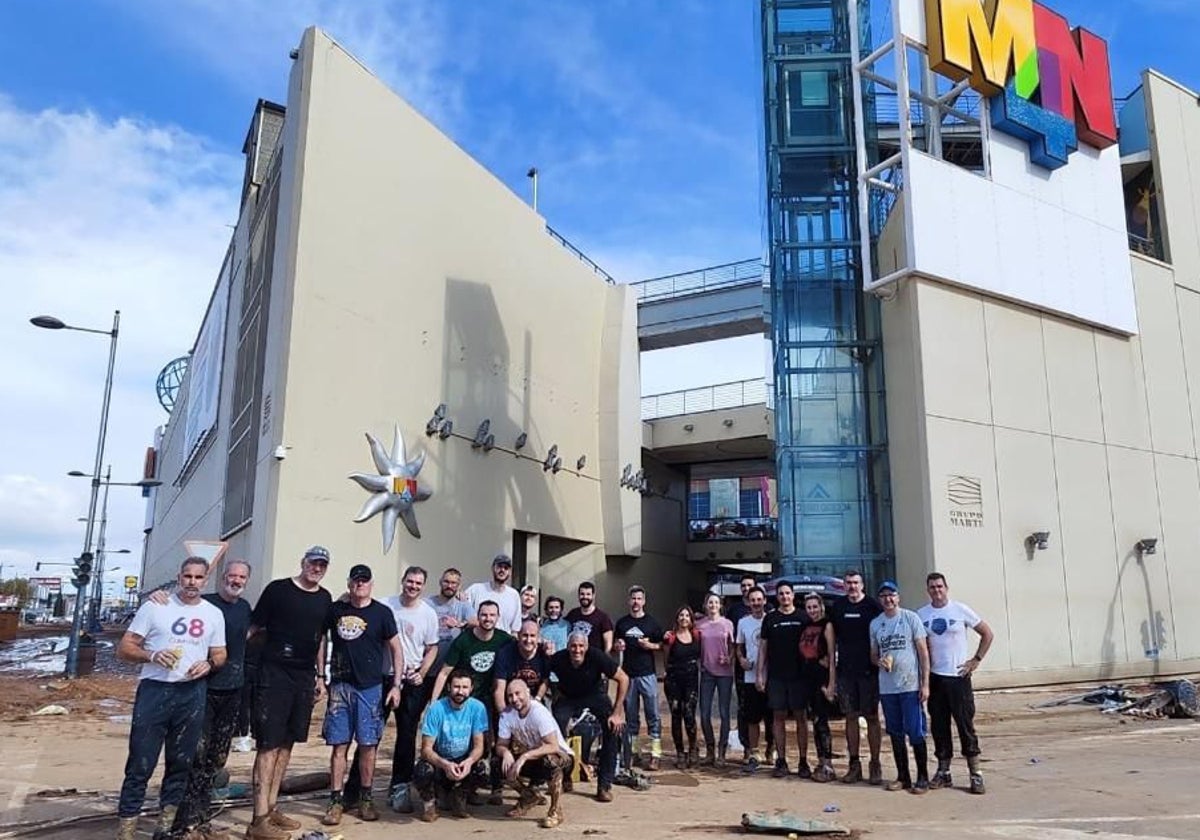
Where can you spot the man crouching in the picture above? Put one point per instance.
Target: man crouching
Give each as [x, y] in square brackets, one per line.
[531, 750]
[451, 759]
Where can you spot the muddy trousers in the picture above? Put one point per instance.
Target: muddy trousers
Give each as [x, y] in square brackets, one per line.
[413, 699]
[682, 688]
[566, 708]
[429, 780]
[221, 710]
[166, 716]
[952, 699]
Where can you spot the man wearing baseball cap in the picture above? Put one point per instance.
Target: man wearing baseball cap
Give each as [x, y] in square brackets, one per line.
[499, 591]
[362, 632]
[291, 613]
[899, 650]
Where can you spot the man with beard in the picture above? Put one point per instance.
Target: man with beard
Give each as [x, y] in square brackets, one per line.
[291, 612]
[522, 659]
[453, 612]
[222, 705]
[899, 650]
[778, 672]
[452, 749]
[753, 708]
[590, 620]
[178, 644]
[498, 591]
[554, 628]
[475, 652]
[531, 751]
[638, 636]
[580, 669]
[858, 679]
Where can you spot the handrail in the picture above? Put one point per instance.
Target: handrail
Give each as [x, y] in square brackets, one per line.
[562, 240]
[709, 398]
[700, 280]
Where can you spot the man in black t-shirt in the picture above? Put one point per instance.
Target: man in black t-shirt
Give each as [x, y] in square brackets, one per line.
[858, 679]
[590, 620]
[580, 669]
[637, 637]
[779, 670]
[362, 632]
[522, 659]
[291, 612]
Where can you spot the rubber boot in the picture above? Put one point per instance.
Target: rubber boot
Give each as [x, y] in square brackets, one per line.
[127, 828]
[900, 754]
[921, 757]
[166, 819]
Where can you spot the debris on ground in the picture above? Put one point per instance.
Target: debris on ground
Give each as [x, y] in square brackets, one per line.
[1174, 699]
[52, 709]
[633, 779]
[783, 822]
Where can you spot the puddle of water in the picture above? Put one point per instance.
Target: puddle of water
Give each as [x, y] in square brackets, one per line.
[45, 655]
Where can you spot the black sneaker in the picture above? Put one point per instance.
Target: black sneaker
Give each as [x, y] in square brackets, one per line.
[804, 771]
[922, 786]
[781, 769]
[977, 784]
[941, 779]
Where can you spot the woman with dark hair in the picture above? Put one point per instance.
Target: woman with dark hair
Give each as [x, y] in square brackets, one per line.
[716, 675]
[818, 675]
[682, 684]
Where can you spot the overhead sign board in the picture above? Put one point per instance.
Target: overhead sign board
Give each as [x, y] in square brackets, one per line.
[1049, 84]
[47, 582]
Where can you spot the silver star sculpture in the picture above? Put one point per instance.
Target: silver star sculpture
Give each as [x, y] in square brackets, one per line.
[394, 490]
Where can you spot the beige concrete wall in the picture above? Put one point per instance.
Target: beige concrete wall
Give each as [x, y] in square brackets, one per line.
[1067, 429]
[407, 276]
[1175, 146]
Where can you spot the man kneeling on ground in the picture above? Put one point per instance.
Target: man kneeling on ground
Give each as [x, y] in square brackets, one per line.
[451, 749]
[532, 751]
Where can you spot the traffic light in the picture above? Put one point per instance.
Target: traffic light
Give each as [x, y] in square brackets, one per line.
[83, 570]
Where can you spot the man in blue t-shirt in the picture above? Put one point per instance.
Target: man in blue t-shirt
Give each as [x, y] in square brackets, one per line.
[452, 748]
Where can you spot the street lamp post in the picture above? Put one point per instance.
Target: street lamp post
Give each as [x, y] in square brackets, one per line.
[51, 323]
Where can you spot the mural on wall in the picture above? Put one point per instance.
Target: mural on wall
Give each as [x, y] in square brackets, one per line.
[395, 490]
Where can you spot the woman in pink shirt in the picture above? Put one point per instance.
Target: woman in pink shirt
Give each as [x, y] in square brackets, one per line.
[716, 674]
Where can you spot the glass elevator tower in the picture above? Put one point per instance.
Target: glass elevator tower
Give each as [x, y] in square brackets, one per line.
[831, 432]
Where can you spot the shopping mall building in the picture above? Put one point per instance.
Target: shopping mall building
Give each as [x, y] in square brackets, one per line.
[981, 289]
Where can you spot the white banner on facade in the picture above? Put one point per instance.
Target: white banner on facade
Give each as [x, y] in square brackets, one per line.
[204, 372]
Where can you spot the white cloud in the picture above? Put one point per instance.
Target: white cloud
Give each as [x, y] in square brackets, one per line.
[99, 215]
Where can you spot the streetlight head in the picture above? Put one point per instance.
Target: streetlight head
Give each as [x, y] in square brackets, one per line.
[78, 474]
[121, 551]
[47, 322]
[148, 482]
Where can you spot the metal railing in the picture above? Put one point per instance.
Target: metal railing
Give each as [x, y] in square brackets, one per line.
[733, 528]
[1152, 247]
[584, 258]
[701, 280]
[709, 398]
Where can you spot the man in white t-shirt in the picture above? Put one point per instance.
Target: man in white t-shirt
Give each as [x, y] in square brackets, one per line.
[417, 624]
[755, 710]
[498, 590]
[950, 694]
[178, 643]
[532, 751]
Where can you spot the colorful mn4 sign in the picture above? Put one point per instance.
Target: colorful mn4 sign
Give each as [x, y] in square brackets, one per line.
[1048, 84]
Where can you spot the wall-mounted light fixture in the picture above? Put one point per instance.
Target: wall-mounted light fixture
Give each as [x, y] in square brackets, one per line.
[688, 427]
[727, 422]
[1146, 545]
[1039, 540]
[551, 456]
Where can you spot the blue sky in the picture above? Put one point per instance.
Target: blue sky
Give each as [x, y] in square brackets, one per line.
[121, 125]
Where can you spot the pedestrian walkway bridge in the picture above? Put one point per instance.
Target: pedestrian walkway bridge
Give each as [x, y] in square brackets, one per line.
[722, 301]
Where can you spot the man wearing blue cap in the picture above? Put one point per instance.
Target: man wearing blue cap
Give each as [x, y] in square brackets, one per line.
[898, 649]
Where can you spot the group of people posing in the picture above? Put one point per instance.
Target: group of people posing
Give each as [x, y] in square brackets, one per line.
[486, 692]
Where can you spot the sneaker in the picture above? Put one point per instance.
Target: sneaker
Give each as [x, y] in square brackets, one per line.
[853, 773]
[977, 785]
[243, 743]
[824, 773]
[399, 799]
[781, 768]
[496, 797]
[897, 784]
[921, 787]
[875, 773]
[261, 828]
[333, 814]
[804, 771]
[941, 779]
[751, 765]
[366, 810]
[604, 794]
[769, 755]
[553, 819]
[281, 820]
